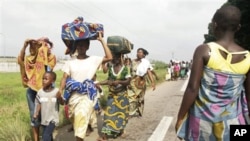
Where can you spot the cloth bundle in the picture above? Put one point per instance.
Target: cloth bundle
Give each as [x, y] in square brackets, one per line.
[119, 45]
[33, 63]
[79, 30]
[86, 87]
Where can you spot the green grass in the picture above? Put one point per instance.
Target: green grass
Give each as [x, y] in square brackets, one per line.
[10, 89]
[14, 119]
[14, 129]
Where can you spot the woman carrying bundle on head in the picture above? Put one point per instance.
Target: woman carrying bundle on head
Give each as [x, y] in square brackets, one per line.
[116, 112]
[81, 70]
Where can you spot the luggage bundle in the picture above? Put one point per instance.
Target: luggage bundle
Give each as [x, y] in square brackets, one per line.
[79, 30]
[119, 44]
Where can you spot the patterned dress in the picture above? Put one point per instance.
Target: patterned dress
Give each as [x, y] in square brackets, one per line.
[137, 88]
[33, 67]
[117, 111]
[221, 100]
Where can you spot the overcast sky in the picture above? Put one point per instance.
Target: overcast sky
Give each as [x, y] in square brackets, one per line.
[166, 28]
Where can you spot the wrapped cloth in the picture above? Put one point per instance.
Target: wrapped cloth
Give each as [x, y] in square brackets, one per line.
[79, 30]
[119, 45]
[85, 87]
[33, 67]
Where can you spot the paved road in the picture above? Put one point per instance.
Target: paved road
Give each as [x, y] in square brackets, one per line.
[162, 102]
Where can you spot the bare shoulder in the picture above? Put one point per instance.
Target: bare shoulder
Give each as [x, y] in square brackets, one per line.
[202, 50]
[239, 48]
[201, 54]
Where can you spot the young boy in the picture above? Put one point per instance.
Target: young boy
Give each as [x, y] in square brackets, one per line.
[47, 102]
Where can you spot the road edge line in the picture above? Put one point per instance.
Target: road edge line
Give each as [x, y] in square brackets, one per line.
[161, 129]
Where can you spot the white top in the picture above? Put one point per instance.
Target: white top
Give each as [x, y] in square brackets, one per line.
[81, 70]
[143, 67]
[49, 106]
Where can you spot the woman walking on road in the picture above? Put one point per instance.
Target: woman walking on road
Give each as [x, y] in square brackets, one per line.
[215, 96]
[78, 74]
[137, 88]
[117, 110]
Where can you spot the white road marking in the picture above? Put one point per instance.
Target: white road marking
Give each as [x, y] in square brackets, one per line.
[161, 129]
[184, 86]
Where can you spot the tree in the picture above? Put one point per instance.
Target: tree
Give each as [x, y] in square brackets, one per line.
[242, 37]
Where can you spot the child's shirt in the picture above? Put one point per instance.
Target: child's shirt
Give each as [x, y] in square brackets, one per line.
[49, 106]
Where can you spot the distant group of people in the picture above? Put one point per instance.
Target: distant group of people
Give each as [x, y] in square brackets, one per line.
[177, 70]
[217, 94]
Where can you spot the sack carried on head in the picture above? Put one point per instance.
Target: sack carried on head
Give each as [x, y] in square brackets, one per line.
[119, 44]
[79, 30]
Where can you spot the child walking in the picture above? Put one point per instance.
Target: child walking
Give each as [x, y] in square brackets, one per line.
[47, 104]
